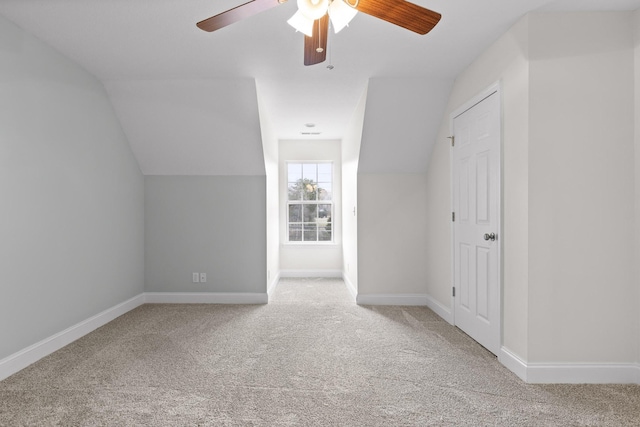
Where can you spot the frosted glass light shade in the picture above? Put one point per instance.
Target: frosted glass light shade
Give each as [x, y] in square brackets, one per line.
[313, 9]
[301, 23]
[341, 14]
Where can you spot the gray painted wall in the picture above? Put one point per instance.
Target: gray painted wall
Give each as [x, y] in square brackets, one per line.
[568, 172]
[581, 174]
[207, 224]
[350, 155]
[394, 153]
[270, 152]
[71, 235]
[392, 238]
[505, 61]
[636, 33]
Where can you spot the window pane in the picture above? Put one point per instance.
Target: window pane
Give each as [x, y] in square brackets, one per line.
[324, 235]
[310, 233]
[310, 213]
[295, 232]
[324, 191]
[324, 211]
[295, 191]
[309, 210]
[310, 171]
[324, 172]
[294, 172]
[324, 223]
[295, 213]
[309, 190]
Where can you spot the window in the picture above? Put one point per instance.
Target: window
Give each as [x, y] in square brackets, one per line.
[309, 202]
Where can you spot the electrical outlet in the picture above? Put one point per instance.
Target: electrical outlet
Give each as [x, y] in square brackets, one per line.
[203, 277]
[196, 278]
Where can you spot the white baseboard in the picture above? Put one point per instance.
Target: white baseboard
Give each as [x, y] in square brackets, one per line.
[513, 363]
[350, 287]
[440, 309]
[391, 299]
[536, 373]
[205, 298]
[273, 284]
[543, 373]
[25, 357]
[570, 373]
[310, 273]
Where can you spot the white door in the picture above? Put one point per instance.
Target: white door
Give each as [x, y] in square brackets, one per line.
[476, 206]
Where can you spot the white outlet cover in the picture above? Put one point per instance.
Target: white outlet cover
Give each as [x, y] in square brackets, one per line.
[196, 278]
[203, 277]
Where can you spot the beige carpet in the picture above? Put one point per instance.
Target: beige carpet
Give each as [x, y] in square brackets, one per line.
[309, 357]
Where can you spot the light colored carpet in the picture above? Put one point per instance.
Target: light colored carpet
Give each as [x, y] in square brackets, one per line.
[309, 357]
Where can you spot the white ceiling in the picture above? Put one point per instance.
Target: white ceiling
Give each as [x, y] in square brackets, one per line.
[158, 67]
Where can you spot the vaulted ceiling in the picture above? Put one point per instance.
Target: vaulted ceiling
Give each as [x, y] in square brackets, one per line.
[187, 98]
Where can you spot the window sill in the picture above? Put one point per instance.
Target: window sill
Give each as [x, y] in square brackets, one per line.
[309, 244]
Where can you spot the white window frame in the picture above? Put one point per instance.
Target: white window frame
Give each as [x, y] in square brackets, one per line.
[316, 202]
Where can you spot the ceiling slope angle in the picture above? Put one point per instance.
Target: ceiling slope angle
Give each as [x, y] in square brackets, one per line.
[159, 68]
[184, 127]
[292, 103]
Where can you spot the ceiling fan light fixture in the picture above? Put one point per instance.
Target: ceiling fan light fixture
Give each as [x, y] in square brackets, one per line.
[402, 13]
[341, 14]
[313, 9]
[301, 23]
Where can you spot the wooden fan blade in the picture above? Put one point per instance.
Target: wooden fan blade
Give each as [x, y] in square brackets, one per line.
[317, 42]
[400, 12]
[236, 14]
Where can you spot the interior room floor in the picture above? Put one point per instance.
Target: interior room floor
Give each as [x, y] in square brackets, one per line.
[309, 357]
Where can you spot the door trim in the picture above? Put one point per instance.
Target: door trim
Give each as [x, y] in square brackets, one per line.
[497, 89]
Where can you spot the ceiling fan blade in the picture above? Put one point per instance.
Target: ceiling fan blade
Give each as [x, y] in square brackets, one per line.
[315, 48]
[237, 14]
[400, 12]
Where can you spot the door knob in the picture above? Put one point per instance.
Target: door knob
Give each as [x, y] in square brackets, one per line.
[491, 236]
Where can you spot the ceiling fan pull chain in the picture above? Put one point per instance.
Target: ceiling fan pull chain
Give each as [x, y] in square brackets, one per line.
[319, 49]
[330, 66]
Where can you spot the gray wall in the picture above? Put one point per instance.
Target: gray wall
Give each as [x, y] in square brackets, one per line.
[392, 240]
[505, 61]
[208, 224]
[71, 234]
[570, 286]
[394, 153]
[636, 32]
[581, 175]
[270, 153]
[350, 155]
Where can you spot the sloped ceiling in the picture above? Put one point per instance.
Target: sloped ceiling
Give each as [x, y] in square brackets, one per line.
[401, 123]
[191, 127]
[187, 99]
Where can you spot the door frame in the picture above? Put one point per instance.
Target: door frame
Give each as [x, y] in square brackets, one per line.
[497, 89]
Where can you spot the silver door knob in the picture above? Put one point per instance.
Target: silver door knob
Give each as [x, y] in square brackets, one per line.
[491, 236]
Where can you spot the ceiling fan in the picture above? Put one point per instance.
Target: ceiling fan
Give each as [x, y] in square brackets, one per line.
[312, 18]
